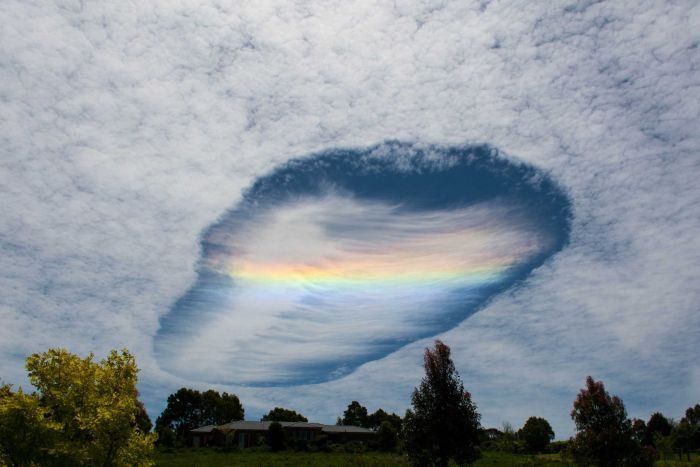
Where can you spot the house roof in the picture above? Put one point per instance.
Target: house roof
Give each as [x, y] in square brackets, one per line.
[204, 429]
[345, 429]
[264, 426]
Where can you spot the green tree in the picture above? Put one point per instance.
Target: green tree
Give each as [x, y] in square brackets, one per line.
[658, 425]
[375, 420]
[604, 434]
[508, 440]
[279, 414]
[536, 434]
[688, 430]
[188, 409]
[83, 413]
[355, 414]
[276, 436]
[387, 436]
[692, 415]
[143, 421]
[26, 429]
[443, 423]
[639, 432]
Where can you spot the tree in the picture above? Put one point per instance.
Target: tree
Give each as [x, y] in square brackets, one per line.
[375, 420]
[686, 434]
[508, 441]
[639, 432]
[218, 409]
[387, 436]
[657, 426]
[279, 414]
[143, 421]
[692, 415]
[604, 432]
[443, 423]
[275, 436]
[536, 434]
[188, 409]
[26, 429]
[355, 414]
[84, 413]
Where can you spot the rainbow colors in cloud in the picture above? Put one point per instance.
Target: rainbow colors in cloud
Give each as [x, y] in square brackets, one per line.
[342, 258]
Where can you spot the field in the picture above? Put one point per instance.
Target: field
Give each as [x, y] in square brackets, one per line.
[213, 458]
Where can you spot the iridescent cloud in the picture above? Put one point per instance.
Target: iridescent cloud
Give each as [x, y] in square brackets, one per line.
[341, 258]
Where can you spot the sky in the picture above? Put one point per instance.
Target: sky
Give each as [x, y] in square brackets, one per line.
[305, 169]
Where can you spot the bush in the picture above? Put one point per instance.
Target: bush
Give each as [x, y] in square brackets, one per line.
[536, 434]
[354, 447]
[387, 437]
[320, 443]
[301, 445]
[276, 436]
[556, 447]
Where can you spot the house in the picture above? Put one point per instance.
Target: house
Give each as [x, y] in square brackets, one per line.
[245, 434]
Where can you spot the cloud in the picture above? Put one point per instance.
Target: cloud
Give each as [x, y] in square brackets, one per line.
[342, 258]
[127, 130]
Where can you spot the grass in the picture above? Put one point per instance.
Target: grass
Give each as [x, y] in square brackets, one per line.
[250, 457]
[214, 458]
[516, 460]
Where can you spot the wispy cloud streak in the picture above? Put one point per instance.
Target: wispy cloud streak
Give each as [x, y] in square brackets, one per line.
[352, 261]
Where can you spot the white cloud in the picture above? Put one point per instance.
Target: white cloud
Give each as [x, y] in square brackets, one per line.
[127, 129]
[319, 285]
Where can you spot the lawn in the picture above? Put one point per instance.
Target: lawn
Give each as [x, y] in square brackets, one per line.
[213, 458]
[249, 457]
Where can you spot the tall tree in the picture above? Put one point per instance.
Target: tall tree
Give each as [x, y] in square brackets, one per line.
[443, 423]
[83, 413]
[536, 434]
[387, 436]
[355, 414]
[143, 421]
[604, 434]
[279, 414]
[658, 425]
[27, 433]
[375, 420]
[686, 434]
[188, 409]
[692, 415]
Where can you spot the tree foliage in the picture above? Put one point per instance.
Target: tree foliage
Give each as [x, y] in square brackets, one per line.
[84, 413]
[375, 420]
[279, 414]
[536, 434]
[604, 435]
[276, 436]
[692, 415]
[443, 423]
[355, 414]
[26, 429]
[188, 409]
[686, 434]
[387, 436]
[659, 424]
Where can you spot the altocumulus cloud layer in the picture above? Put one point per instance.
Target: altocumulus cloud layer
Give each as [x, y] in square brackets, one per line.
[129, 129]
[343, 258]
